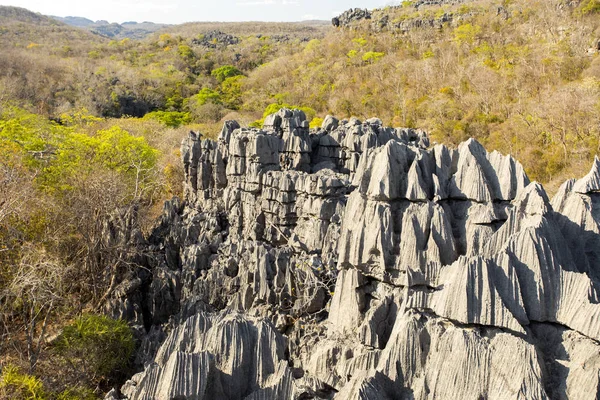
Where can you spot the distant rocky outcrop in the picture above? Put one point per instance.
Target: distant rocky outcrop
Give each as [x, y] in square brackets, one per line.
[356, 261]
[349, 16]
[409, 16]
[214, 39]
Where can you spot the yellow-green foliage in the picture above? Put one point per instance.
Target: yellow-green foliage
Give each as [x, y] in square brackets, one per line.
[114, 149]
[77, 393]
[231, 91]
[482, 79]
[466, 33]
[360, 41]
[17, 385]
[30, 132]
[224, 72]
[316, 122]
[206, 95]
[63, 151]
[173, 119]
[20, 386]
[590, 7]
[96, 344]
[372, 56]
[185, 51]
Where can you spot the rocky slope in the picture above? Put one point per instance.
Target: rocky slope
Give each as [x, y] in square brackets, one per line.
[357, 262]
[415, 15]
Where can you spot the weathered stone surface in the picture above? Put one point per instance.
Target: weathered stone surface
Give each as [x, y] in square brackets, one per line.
[353, 14]
[382, 19]
[352, 262]
[432, 358]
[212, 356]
[214, 39]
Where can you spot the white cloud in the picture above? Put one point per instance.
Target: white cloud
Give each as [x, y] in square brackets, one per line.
[306, 17]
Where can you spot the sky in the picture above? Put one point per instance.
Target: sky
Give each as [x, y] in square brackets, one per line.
[180, 11]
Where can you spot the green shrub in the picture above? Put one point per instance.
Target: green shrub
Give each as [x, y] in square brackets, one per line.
[114, 149]
[231, 90]
[224, 72]
[372, 56]
[77, 393]
[172, 119]
[466, 33]
[96, 346]
[16, 385]
[316, 122]
[185, 51]
[206, 95]
[590, 7]
[360, 41]
[31, 132]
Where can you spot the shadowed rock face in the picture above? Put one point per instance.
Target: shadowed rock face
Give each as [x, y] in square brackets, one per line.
[356, 262]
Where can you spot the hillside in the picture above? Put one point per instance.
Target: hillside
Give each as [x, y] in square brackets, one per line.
[520, 76]
[510, 74]
[53, 68]
[20, 28]
[131, 29]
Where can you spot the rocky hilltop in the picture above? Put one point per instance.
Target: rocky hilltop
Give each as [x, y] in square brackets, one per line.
[415, 15]
[356, 261]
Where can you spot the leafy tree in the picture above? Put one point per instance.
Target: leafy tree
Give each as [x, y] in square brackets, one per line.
[224, 72]
[207, 95]
[186, 52]
[35, 136]
[231, 89]
[466, 33]
[172, 119]
[114, 149]
[372, 56]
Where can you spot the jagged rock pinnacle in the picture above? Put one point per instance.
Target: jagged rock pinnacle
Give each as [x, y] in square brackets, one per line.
[354, 262]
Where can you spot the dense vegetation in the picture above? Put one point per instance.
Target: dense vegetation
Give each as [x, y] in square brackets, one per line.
[520, 76]
[90, 125]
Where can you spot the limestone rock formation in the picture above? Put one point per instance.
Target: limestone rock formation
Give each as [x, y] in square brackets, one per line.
[395, 18]
[214, 39]
[353, 14]
[355, 261]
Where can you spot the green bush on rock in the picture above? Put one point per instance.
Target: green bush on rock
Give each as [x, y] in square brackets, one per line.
[96, 347]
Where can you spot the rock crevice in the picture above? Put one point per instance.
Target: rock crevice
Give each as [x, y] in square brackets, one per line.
[355, 262]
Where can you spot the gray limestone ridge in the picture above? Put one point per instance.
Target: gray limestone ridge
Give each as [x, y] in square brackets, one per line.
[355, 261]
